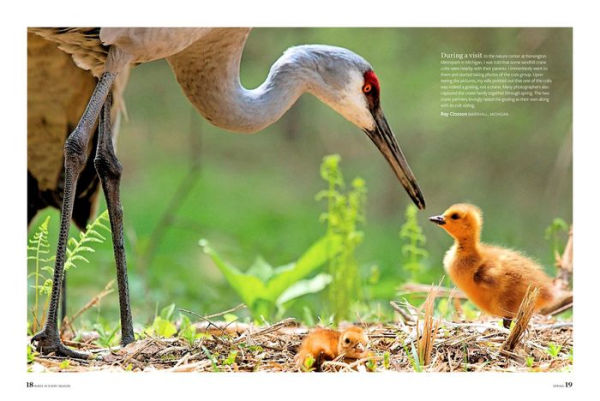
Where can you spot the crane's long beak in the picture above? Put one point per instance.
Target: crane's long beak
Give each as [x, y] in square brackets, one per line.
[383, 137]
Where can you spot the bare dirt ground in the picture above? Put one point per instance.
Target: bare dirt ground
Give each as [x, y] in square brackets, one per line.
[546, 345]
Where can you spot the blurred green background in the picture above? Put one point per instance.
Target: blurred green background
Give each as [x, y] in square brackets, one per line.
[255, 194]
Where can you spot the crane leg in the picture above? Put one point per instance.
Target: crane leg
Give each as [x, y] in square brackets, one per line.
[109, 170]
[48, 340]
[63, 298]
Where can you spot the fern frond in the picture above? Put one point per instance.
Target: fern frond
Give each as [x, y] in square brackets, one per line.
[86, 249]
[38, 251]
[94, 239]
[39, 246]
[99, 223]
[76, 247]
[48, 269]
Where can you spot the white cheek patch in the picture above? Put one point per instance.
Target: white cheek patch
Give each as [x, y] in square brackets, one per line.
[356, 110]
[351, 103]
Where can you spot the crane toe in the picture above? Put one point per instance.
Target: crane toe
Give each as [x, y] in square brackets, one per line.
[47, 343]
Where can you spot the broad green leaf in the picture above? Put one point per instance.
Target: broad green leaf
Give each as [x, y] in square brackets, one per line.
[246, 286]
[262, 309]
[261, 297]
[261, 269]
[303, 287]
[163, 328]
[283, 268]
[317, 255]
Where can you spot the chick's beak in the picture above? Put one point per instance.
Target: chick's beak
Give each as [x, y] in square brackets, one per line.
[360, 347]
[383, 137]
[439, 220]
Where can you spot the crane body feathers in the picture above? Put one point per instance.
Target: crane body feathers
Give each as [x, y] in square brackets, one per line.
[58, 90]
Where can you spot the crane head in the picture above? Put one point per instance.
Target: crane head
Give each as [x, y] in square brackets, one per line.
[379, 131]
[348, 84]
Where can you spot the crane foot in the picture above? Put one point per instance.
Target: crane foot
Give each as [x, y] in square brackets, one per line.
[50, 343]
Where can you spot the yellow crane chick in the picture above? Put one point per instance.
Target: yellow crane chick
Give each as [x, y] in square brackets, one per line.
[325, 345]
[493, 278]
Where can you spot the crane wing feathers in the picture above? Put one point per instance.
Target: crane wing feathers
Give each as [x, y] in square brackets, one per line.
[83, 44]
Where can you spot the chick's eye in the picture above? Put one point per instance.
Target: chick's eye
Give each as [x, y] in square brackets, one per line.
[367, 88]
[347, 341]
[455, 216]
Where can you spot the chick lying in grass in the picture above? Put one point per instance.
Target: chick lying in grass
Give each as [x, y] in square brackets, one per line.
[493, 278]
[325, 345]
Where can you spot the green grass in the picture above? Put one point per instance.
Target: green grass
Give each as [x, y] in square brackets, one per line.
[553, 350]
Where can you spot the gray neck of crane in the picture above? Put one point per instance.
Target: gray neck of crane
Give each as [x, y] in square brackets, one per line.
[209, 73]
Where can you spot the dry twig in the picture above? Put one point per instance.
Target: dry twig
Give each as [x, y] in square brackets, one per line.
[68, 322]
[268, 329]
[439, 292]
[207, 317]
[406, 316]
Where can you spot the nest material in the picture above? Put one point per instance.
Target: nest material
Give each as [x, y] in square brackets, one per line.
[457, 346]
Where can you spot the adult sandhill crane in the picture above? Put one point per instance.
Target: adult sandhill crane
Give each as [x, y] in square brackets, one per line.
[206, 63]
[57, 93]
